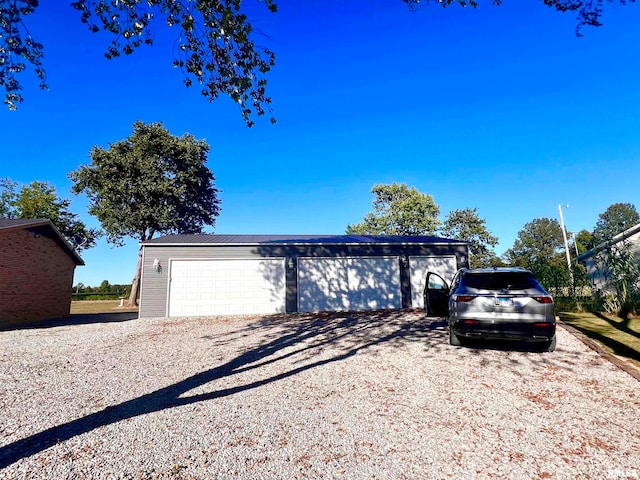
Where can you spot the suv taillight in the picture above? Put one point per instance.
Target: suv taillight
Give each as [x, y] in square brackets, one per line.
[465, 298]
[543, 299]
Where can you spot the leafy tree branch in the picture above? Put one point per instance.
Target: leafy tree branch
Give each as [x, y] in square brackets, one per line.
[399, 210]
[39, 200]
[466, 225]
[216, 42]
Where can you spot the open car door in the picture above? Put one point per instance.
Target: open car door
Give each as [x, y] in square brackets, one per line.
[436, 296]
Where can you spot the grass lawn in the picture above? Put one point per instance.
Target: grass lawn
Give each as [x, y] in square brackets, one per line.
[99, 306]
[608, 331]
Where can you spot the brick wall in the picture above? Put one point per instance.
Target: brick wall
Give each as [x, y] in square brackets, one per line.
[36, 277]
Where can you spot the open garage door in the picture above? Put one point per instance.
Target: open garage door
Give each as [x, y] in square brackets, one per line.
[340, 284]
[445, 266]
[219, 287]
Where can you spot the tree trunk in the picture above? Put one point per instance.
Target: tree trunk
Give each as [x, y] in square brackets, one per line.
[135, 285]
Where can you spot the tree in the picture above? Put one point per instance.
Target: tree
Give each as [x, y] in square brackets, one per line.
[399, 210]
[583, 241]
[616, 219]
[466, 225]
[215, 41]
[539, 248]
[7, 198]
[104, 287]
[40, 200]
[149, 183]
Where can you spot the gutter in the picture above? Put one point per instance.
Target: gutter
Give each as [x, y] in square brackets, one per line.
[609, 243]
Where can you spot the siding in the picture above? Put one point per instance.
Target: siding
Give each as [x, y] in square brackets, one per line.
[154, 285]
[599, 278]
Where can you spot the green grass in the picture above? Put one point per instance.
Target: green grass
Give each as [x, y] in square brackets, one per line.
[609, 331]
[100, 306]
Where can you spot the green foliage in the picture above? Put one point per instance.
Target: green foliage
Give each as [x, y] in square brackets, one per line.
[584, 241]
[104, 287]
[621, 287]
[617, 261]
[538, 241]
[39, 200]
[98, 296]
[104, 291]
[151, 182]
[17, 49]
[399, 210]
[216, 47]
[466, 225]
[402, 210]
[7, 198]
[495, 261]
[216, 44]
[616, 219]
[539, 247]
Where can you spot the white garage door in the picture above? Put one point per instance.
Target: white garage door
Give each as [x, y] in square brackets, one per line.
[338, 284]
[212, 287]
[445, 266]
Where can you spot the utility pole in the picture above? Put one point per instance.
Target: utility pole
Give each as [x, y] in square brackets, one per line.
[566, 244]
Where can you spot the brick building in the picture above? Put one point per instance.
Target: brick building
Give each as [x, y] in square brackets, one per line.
[36, 271]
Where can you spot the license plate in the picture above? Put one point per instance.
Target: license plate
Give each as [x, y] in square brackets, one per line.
[504, 301]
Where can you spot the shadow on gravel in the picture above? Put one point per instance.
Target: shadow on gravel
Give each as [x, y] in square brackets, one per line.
[314, 339]
[74, 319]
[504, 345]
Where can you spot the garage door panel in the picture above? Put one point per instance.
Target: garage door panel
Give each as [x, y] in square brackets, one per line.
[212, 287]
[320, 282]
[374, 283]
[326, 284]
[445, 266]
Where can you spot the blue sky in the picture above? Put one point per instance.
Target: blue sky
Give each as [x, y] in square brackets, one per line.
[499, 108]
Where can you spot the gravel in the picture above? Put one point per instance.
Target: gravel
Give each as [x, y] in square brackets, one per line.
[356, 396]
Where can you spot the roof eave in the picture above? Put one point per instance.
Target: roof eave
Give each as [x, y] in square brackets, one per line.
[64, 244]
[295, 243]
[604, 245]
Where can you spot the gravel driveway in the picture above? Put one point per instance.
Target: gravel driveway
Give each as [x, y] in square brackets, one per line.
[366, 396]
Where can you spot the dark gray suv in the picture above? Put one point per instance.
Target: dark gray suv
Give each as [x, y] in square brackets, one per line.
[493, 303]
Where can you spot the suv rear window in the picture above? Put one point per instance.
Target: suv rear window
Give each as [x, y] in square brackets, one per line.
[500, 281]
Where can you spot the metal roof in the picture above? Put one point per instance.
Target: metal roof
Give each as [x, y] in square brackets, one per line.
[16, 223]
[215, 239]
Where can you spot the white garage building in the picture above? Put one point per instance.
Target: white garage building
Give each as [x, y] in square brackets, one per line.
[185, 275]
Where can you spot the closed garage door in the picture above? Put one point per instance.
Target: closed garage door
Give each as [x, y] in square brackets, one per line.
[330, 284]
[212, 287]
[445, 266]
